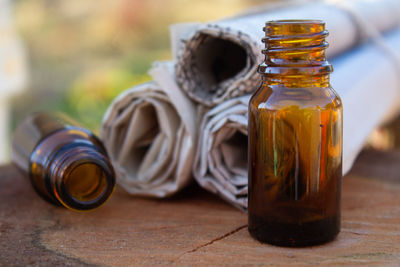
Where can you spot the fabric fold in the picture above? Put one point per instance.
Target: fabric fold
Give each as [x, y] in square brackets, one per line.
[218, 60]
[149, 133]
[221, 159]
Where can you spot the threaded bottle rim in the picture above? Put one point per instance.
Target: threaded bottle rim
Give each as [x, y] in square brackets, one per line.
[295, 47]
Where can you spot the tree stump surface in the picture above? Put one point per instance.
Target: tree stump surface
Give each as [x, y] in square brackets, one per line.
[195, 227]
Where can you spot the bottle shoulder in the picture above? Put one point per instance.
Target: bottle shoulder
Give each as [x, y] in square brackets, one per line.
[278, 97]
[69, 136]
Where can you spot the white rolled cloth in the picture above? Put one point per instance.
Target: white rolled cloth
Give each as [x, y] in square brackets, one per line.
[149, 132]
[368, 82]
[218, 60]
[221, 159]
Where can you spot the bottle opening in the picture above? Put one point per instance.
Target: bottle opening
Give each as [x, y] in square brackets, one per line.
[294, 27]
[295, 47]
[86, 182]
[296, 22]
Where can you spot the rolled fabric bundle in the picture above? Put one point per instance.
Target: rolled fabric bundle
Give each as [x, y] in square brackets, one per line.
[368, 82]
[149, 133]
[221, 159]
[218, 60]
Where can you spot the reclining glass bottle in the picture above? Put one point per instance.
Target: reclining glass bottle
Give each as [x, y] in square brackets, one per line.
[295, 139]
[67, 164]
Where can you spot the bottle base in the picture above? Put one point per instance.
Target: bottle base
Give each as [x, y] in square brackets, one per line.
[294, 234]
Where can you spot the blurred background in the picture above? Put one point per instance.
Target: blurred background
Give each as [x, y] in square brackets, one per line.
[83, 53]
[78, 54]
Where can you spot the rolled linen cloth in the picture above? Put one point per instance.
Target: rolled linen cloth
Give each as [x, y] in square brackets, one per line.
[218, 60]
[221, 158]
[368, 82]
[149, 132]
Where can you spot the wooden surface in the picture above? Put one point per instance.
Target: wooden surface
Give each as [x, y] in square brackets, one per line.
[195, 227]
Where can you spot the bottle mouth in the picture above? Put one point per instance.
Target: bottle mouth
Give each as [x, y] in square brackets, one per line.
[295, 47]
[86, 182]
[83, 183]
[295, 21]
[293, 27]
[294, 35]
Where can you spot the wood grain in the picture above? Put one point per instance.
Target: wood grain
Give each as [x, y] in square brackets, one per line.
[195, 227]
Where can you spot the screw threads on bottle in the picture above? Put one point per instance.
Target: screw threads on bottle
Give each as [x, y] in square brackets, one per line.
[295, 47]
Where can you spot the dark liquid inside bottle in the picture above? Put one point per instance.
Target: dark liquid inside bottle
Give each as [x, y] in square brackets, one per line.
[294, 234]
[295, 140]
[303, 222]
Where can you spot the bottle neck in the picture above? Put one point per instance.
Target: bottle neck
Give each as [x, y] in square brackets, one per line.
[295, 54]
[300, 81]
[81, 177]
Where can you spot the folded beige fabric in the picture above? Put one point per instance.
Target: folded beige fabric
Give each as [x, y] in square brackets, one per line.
[149, 133]
[221, 158]
[218, 60]
[368, 81]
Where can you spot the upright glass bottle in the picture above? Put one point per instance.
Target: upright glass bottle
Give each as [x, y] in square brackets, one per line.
[295, 139]
[67, 164]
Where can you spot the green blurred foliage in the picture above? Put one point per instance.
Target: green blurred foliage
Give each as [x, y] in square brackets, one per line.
[82, 53]
[90, 95]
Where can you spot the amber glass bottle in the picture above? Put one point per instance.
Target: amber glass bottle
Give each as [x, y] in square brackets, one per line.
[67, 164]
[295, 139]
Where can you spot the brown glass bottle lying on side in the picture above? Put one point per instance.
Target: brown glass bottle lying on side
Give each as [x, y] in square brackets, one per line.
[67, 164]
[295, 140]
